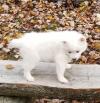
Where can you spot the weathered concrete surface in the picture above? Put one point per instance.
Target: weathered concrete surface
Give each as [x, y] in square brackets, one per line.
[80, 76]
[84, 82]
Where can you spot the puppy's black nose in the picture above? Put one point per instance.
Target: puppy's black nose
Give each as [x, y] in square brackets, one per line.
[74, 59]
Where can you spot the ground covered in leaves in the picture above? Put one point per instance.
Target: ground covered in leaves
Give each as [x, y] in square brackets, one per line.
[20, 17]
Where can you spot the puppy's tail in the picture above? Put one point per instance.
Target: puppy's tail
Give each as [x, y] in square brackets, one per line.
[15, 43]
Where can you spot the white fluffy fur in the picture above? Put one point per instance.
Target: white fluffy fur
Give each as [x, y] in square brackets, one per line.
[59, 47]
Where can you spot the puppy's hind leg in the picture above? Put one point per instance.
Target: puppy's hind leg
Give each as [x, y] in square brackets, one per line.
[29, 62]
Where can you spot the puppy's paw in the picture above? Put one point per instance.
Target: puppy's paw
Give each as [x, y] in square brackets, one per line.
[30, 78]
[63, 80]
[68, 66]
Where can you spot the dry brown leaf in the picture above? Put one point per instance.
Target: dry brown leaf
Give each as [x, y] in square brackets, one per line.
[96, 45]
[97, 30]
[9, 66]
[84, 59]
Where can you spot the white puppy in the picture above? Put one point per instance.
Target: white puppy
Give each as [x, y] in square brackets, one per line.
[59, 47]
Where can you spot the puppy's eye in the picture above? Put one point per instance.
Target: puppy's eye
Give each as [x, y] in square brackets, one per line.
[69, 52]
[77, 51]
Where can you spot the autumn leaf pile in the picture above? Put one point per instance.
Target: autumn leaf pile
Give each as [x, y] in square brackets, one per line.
[17, 18]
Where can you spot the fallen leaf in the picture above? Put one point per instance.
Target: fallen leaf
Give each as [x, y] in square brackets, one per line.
[9, 66]
[96, 45]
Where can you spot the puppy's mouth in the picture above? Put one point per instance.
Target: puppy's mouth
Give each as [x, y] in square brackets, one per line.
[75, 59]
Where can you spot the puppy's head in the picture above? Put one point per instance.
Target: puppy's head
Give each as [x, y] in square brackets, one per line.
[75, 46]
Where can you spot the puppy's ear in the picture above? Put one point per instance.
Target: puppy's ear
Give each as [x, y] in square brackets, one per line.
[64, 42]
[86, 36]
[82, 39]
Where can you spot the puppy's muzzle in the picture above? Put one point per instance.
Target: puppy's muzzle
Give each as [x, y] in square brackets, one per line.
[74, 59]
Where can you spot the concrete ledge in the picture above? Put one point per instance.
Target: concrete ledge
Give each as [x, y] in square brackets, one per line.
[84, 81]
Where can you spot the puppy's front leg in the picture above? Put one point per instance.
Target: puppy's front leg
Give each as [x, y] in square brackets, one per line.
[27, 71]
[61, 65]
